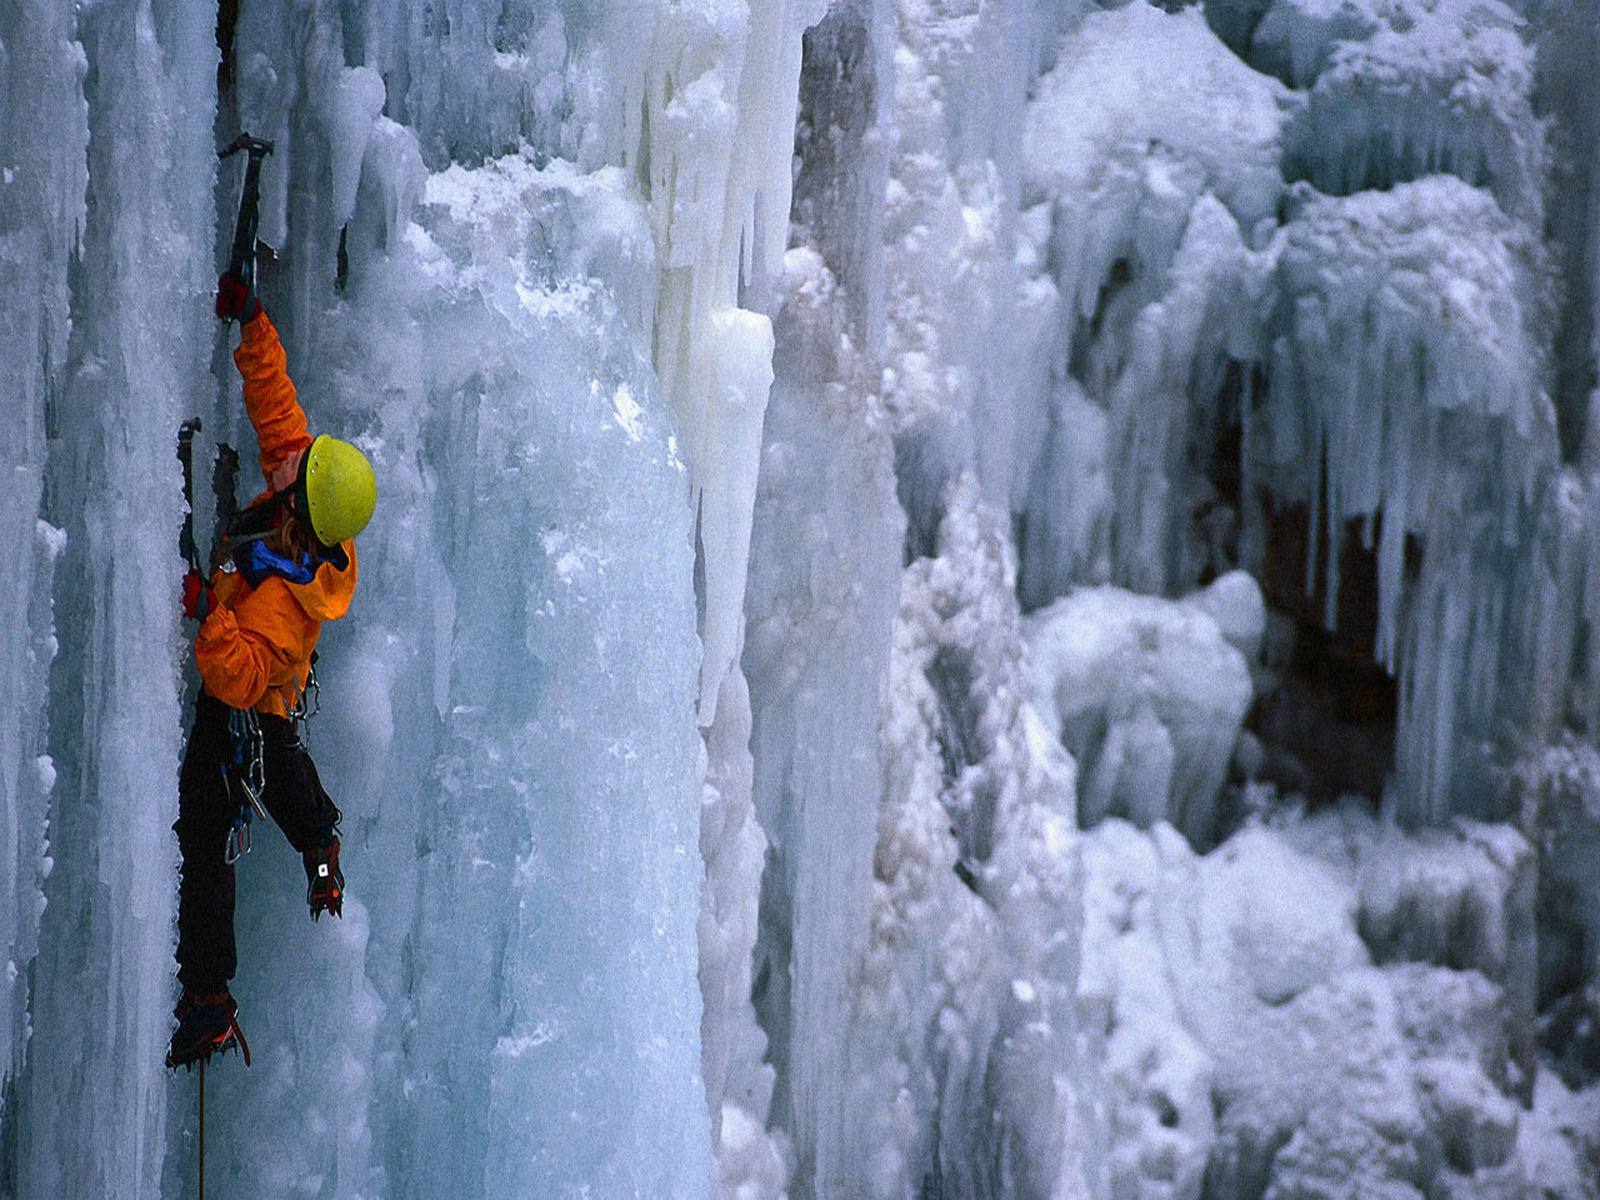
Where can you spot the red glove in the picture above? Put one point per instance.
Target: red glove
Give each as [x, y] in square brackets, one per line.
[198, 598]
[235, 300]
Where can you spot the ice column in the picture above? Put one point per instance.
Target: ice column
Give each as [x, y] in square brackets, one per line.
[714, 152]
[95, 1090]
[822, 586]
[43, 132]
[820, 605]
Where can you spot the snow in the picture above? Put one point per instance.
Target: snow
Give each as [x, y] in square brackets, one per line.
[1436, 87]
[1133, 76]
[1249, 1038]
[1148, 695]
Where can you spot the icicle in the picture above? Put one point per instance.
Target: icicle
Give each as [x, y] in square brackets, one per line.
[1417, 348]
[1450, 90]
[43, 178]
[719, 84]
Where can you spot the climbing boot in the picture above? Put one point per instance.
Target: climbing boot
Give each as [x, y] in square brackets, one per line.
[324, 881]
[207, 1022]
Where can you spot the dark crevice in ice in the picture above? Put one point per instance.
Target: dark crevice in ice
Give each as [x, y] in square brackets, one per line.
[1329, 724]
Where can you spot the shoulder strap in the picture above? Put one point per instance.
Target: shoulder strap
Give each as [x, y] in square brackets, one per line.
[251, 525]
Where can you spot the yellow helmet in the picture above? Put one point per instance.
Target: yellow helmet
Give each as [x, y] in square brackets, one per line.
[341, 490]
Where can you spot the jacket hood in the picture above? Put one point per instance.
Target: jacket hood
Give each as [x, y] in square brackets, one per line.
[327, 596]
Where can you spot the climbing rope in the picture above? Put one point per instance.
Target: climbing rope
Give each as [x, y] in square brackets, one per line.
[202, 1129]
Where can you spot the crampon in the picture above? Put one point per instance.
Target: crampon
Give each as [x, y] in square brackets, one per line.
[324, 881]
[208, 1022]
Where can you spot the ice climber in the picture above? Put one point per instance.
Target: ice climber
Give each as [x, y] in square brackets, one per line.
[284, 566]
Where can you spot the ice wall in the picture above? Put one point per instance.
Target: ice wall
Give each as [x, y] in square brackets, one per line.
[1044, 269]
[916, 943]
[1443, 89]
[957, 337]
[1213, 348]
[96, 406]
[519, 952]
[657, 234]
[490, 255]
[41, 219]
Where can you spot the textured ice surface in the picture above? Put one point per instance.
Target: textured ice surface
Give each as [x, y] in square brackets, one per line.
[952, 99]
[1294, 39]
[508, 727]
[1040, 259]
[1178, 301]
[820, 608]
[89, 438]
[41, 221]
[509, 715]
[1443, 87]
[1155, 154]
[1251, 1044]
[1148, 695]
[1433, 295]
[970, 1073]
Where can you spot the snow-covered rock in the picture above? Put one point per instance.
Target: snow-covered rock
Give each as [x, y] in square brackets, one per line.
[1253, 1048]
[1436, 86]
[1149, 696]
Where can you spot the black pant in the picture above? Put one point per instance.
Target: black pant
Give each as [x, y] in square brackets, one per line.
[207, 807]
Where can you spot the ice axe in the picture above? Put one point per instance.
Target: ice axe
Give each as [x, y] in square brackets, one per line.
[186, 545]
[242, 262]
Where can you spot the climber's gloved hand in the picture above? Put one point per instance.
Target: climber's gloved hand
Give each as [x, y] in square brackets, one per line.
[198, 598]
[235, 300]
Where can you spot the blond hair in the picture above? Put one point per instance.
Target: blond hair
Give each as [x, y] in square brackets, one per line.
[290, 538]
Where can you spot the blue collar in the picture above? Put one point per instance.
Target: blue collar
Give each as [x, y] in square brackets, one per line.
[256, 561]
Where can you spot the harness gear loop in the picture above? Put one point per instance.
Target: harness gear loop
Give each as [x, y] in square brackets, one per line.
[248, 772]
[307, 703]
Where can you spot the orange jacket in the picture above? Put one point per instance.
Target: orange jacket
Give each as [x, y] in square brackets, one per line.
[254, 648]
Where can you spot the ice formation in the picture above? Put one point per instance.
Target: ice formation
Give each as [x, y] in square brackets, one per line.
[1256, 1045]
[1157, 182]
[853, 477]
[1149, 696]
[1431, 89]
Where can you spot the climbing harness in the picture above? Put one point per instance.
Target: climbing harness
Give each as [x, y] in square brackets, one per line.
[247, 772]
[307, 704]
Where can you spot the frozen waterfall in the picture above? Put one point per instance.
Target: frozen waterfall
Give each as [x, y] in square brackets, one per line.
[983, 599]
